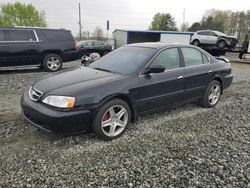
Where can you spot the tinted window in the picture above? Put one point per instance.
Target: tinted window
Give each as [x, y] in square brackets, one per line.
[97, 43]
[192, 57]
[21, 35]
[58, 35]
[211, 33]
[87, 43]
[1, 36]
[168, 58]
[124, 60]
[205, 58]
[202, 33]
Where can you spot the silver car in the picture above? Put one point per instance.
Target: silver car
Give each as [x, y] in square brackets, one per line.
[216, 38]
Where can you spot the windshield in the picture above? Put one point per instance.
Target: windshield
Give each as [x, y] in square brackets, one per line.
[124, 60]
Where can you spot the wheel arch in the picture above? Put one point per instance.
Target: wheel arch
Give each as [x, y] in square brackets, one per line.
[124, 98]
[218, 78]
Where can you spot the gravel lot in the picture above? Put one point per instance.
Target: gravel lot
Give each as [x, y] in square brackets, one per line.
[183, 146]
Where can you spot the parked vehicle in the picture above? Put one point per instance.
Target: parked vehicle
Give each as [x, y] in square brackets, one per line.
[213, 38]
[245, 46]
[133, 80]
[93, 46]
[26, 47]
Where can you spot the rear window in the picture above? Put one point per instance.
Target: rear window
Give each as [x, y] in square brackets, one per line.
[21, 35]
[58, 35]
[1, 36]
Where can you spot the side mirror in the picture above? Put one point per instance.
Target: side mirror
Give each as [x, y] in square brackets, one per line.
[154, 69]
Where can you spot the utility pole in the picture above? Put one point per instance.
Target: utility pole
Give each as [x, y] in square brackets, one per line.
[184, 15]
[80, 22]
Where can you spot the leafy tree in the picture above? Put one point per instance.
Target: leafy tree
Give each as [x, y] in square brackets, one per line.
[195, 27]
[184, 27]
[164, 22]
[19, 14]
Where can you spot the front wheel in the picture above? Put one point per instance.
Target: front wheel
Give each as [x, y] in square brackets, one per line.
[212, 94]
[112, 119]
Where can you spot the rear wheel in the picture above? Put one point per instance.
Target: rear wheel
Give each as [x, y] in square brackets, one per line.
[212, 94]
[196, 42]
[52, 62]
[112, 119]
[221, 44]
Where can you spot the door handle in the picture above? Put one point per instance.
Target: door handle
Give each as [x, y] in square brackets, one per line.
[210, 71]
[180, 77]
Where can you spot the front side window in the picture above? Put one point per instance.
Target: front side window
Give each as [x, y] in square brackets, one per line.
[168, 58]
[21, 35]
[192, 57]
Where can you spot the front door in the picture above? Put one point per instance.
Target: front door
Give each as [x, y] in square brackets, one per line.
[162, 89]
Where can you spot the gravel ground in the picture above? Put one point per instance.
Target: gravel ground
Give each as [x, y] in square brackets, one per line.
[185, 146]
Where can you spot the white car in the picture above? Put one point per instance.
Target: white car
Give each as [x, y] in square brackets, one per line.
[209, 37]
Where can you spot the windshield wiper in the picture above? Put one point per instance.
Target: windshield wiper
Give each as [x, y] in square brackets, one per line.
[101, 69]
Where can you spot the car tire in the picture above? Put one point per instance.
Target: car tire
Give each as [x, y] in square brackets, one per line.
[221, 44]
[105, 53]
[52, 62]
[108, 124]
[212, 94]
[196, 42]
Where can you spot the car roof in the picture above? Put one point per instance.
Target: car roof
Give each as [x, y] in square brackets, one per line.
[157, 45]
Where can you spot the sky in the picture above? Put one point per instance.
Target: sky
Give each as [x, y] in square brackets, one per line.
[125, 14]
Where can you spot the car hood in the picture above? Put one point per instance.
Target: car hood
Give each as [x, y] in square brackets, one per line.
[86, 76]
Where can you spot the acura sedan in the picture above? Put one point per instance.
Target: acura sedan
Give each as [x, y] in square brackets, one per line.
[130, 81]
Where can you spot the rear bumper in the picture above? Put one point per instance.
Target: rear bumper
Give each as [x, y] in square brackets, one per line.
[50, 120]
[227, 81]
[70, 56]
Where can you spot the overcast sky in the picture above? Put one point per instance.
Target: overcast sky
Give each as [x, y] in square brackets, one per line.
[125, 14]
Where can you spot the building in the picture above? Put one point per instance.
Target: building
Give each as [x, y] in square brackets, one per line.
[123, 37]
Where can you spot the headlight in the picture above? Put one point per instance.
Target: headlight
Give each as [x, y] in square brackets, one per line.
[60, 101]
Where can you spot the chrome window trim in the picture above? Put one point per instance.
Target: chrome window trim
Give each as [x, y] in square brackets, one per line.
[140, 74]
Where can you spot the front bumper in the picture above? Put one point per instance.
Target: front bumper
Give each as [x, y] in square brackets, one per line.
[51, 120]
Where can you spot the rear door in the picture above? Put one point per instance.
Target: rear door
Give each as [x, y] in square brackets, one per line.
[162, 89]
[3, 48]
[197, 72]
[23, 47]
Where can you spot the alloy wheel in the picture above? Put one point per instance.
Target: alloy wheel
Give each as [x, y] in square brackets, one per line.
[53, 63]
[214, 94]
[114, 120]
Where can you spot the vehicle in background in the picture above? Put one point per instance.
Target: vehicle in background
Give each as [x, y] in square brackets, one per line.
[88, 47]
[132, 80]
[214, 38]
[245, 46]
[28, 47]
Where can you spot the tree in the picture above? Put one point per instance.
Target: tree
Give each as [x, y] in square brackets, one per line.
[195, 27]
[184, 27]
[98, 33]
[164, 22]
[19, 14]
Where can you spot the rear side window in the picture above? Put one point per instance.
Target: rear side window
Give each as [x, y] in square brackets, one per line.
[202, 33]
[58, 35]
[192, 57]
[21, 35]
[168, 58]
[1, 35]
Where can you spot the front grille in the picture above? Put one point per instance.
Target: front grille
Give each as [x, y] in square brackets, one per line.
[34, 94]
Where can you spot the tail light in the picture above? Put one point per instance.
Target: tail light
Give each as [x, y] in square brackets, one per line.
[75, 46]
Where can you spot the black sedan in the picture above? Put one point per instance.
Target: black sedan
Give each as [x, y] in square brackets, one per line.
[88, 47]
[130, 81]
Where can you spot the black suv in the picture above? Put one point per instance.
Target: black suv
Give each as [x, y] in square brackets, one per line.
[87, 47]
[22, 47]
